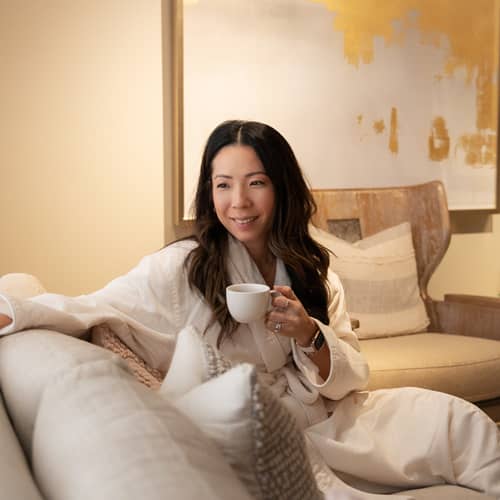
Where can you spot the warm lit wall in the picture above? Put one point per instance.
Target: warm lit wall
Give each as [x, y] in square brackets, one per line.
[471, 264]
[81, 158]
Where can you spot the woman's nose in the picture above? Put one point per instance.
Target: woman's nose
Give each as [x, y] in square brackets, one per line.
[240, 197]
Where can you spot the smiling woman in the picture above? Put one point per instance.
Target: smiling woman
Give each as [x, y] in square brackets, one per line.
[252, 188]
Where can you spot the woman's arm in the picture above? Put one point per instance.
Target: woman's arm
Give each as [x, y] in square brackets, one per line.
[139, 307]
[348, 370]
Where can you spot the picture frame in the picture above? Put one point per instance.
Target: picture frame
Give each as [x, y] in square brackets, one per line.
[362, 105]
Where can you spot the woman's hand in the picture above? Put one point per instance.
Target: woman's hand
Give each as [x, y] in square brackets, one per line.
[288, 317]
[4, 320]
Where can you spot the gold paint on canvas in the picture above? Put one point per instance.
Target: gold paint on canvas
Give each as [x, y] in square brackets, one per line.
[378, 126]
[439, 140]
[479, 148]
[467, 29]
[393, 136]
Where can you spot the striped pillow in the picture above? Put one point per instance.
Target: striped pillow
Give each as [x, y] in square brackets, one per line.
[379, 275]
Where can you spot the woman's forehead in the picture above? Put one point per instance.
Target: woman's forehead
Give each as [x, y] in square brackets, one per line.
[236, 159]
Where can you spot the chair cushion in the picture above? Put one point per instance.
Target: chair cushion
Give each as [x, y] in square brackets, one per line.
[467, 367]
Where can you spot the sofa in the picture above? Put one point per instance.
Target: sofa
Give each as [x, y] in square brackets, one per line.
[77, 423]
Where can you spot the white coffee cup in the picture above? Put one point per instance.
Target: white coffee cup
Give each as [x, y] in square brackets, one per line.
[248, 302]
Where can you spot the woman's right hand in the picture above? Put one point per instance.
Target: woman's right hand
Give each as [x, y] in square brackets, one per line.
[4, 320]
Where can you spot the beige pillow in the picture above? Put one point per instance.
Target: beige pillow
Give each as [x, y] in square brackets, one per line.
[379, 276]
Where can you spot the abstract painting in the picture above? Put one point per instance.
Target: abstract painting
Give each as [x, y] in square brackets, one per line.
[368, 92]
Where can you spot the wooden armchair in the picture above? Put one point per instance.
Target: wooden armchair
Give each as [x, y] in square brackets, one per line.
[460, 352]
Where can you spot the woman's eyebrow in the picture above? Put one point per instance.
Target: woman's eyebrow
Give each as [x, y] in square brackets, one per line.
[257, 172]
[250, 174]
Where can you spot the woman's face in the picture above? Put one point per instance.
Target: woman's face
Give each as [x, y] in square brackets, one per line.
[243, 196]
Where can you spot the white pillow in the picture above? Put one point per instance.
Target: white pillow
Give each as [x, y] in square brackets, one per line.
[379, 276]
[194, 361]
[102, 435]
[256, 434]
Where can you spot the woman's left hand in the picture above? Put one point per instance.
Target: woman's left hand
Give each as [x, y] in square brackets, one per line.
[288, 317]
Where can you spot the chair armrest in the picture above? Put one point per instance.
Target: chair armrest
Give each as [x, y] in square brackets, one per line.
[470, 315]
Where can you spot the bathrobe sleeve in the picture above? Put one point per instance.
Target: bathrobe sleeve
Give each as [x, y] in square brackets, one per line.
[348, 369]
[142, 307]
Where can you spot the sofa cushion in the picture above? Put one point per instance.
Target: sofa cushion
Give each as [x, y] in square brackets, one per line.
[256, 434]
[379, 276]
[102, 435]
[29, 360]
[467, 367]
[16, 481]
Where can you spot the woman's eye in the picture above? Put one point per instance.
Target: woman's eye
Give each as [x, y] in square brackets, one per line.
[257, 182]
[222, 185]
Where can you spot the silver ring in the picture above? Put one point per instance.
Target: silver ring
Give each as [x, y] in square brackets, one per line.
[277, 327]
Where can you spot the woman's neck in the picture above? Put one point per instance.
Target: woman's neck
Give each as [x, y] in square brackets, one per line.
[266, 263]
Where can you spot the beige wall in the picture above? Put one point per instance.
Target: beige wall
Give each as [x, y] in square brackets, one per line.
[471, 264]
[81, 148]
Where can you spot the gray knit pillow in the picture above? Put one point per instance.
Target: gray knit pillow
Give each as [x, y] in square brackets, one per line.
[257, 435]
[216, 364]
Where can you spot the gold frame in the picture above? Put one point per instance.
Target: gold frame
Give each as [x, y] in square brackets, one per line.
[178, 112]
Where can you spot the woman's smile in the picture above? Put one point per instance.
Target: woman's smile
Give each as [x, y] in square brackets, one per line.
[244, 221]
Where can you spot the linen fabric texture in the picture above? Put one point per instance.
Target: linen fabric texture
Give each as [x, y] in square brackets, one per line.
[379, 276]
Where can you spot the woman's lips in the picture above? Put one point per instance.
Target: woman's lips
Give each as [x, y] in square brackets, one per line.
[242, 221]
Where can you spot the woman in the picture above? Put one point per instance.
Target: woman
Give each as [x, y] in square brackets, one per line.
[252, 211]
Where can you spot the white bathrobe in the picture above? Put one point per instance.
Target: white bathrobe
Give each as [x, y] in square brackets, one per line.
[381, 441]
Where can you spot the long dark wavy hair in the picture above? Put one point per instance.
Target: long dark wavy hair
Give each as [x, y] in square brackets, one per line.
[305, 260]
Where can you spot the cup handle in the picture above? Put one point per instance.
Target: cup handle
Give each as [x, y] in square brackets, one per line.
[273, 294]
